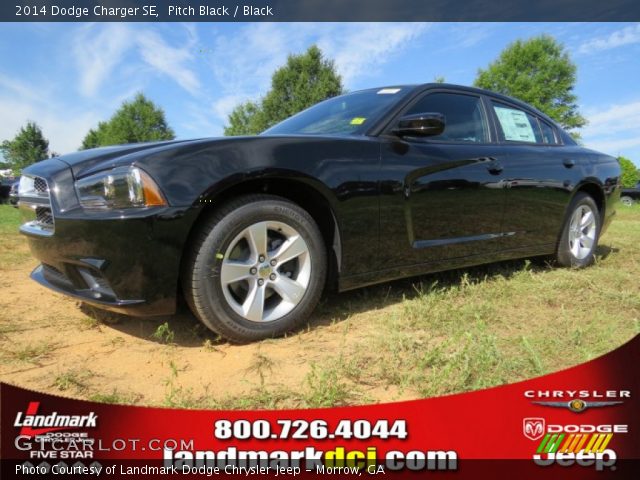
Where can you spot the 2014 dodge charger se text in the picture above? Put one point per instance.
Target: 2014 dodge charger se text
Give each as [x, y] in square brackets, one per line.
[363, 188]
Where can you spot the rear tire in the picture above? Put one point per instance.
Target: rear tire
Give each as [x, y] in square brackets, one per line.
[257, 268]
[580, 233]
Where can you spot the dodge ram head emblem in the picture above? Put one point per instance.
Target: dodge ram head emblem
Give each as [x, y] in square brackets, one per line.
[533, 428]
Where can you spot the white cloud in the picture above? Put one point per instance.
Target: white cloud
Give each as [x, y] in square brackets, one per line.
[168, 60]
[361, 49]
[245, 60]
[97, 51]
[625, 36]
[614, 128]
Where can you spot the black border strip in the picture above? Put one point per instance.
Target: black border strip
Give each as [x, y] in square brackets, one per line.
[319, 10]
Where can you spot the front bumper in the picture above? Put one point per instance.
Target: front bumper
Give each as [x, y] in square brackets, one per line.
[128, 263]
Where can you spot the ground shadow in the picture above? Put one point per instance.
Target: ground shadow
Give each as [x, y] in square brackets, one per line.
[188, 331]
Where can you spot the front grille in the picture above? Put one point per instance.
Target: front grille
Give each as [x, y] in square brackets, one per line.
[40, 185]
[35, 200]
[44, 216]
[55, 276]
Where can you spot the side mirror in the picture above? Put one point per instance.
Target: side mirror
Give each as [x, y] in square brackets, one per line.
[420, 125]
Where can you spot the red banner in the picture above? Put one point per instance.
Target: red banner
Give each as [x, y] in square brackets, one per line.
[578, 423]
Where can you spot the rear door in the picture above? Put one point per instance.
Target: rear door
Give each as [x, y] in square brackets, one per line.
[442, 196]
[539, 176]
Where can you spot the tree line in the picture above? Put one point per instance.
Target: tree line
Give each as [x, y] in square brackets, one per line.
[537, 71]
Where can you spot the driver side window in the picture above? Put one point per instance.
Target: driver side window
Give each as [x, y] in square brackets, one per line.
[464, 116]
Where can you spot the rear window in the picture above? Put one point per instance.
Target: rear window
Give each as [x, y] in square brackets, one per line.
[548, 133]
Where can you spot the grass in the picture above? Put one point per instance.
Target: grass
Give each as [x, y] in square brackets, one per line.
[31, 353]
[13, 250]
[434, 335]
[74, 379]
[164, 334]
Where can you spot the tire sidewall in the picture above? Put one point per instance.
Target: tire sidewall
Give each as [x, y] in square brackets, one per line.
[211, 256]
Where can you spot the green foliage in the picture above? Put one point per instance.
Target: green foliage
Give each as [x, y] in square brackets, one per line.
[630, 174]
[245, 119]
[164, 334]
[537, 71]
[139, 120]
[92, 138]
[305, 80]
[27, 147]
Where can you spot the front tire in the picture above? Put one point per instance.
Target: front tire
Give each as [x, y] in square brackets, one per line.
[257, 268]
[580, 233]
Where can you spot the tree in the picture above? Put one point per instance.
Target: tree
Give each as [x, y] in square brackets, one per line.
[305, 80]
[92, 138]
[27, 147]
[245, 119]
[537, 71]
[630, 174]
[139, 120]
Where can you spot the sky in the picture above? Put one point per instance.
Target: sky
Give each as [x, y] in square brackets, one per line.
[69, 76]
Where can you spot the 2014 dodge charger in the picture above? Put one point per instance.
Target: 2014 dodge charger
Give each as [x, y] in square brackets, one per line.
[363, 188]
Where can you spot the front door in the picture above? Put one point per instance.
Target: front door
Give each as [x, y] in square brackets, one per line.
[444, 193]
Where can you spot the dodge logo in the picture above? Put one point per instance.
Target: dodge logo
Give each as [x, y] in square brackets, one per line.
[533, 428]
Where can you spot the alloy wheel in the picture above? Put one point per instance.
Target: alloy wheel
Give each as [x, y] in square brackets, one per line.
[582, 232]
[265, 271]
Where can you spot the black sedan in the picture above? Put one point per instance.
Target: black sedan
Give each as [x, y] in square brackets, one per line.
[629, 196]
[359, 189]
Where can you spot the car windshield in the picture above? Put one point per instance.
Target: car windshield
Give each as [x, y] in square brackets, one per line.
[350, 114]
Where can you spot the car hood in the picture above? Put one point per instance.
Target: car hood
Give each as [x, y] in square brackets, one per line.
[87, 162]
[84, 161]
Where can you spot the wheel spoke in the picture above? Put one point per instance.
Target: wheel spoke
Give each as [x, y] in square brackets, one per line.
[575, 219]
[290, 290]
[587, 242]
[253, 306]
[587, 220]
[292, 248]
[232, 272]
[575, 248]
[257, 238]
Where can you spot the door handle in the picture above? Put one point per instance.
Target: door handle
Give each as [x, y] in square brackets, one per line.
[494, 167]
[568, 162]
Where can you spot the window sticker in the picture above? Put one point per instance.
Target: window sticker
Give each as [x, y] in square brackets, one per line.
[388, 91]
[358, 120]
[515, 125]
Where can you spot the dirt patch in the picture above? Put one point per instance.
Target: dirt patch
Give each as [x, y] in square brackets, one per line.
[55, 344]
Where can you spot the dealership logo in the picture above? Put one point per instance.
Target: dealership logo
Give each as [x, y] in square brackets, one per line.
[533, 428]
[577, 401]
[566, 445]
[29, 420]
[574, 443]
[584, 449]
[577, 405]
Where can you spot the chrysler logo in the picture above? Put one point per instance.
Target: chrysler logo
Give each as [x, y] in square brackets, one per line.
[533, 428]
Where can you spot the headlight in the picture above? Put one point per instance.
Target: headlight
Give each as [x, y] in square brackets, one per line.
[27, 186]
[122, 187]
